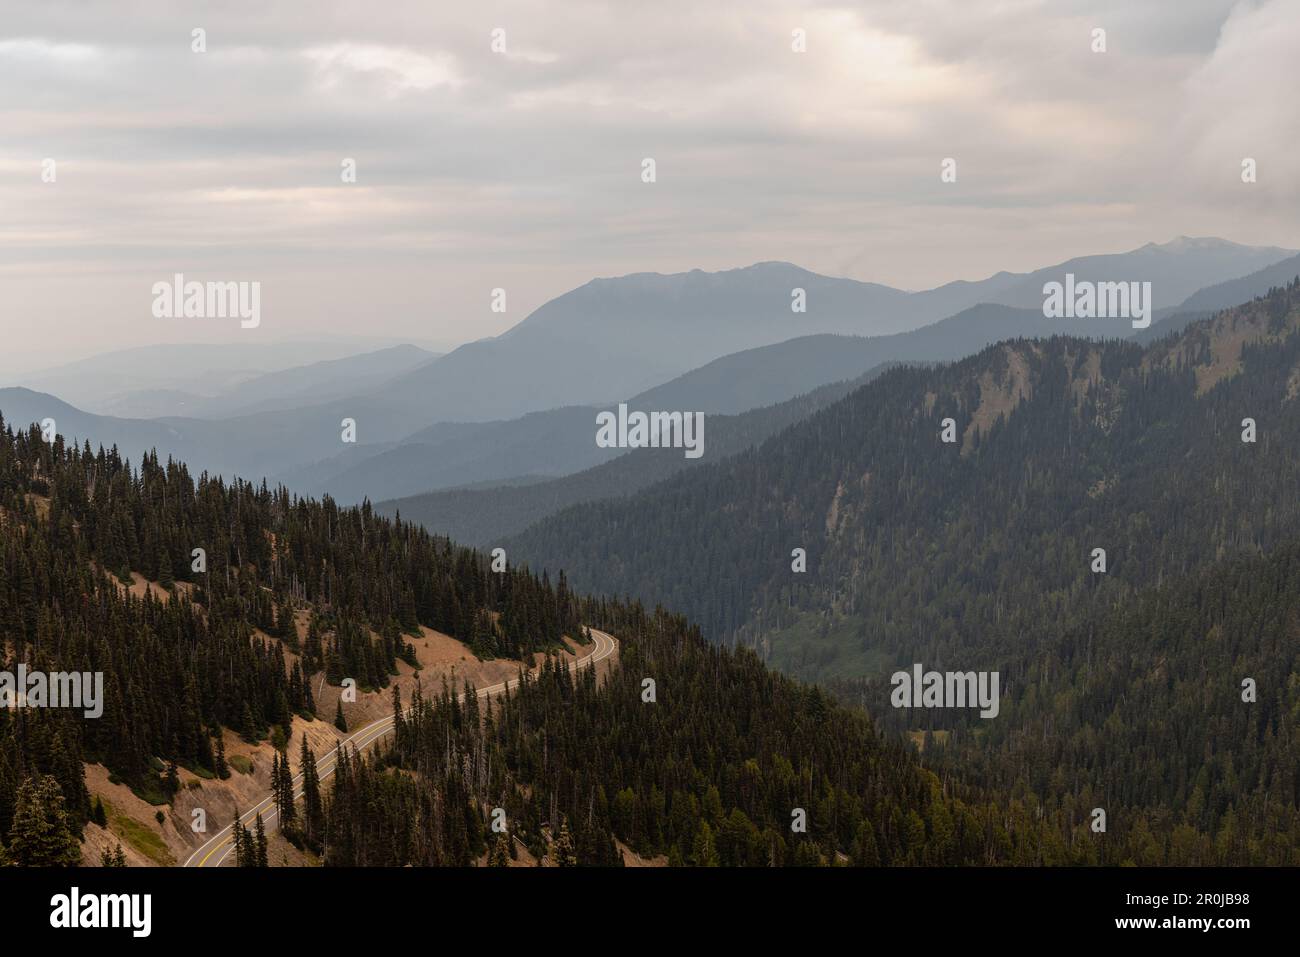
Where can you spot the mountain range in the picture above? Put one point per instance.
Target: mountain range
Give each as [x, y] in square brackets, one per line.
[1063, 445]
[522, 404]
[1103, 521]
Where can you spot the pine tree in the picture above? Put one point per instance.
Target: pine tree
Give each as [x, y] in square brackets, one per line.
[286, 628]
[249, 727]
[239, 836]
[339, 721]
[259, 843]
[704, 853]
[563, 850]
[165, 577]
[500, 856]
[113, 858]
[277, 786]
[313, 813]
[223, 771]
[308, 700]
[288, 812]
[865, 853]
[41, 834]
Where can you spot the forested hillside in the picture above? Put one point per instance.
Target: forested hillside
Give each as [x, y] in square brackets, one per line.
[485, 516]
[920, 547]
[74, 525]
[1121, 688]
[713, 770]
[1178, 711]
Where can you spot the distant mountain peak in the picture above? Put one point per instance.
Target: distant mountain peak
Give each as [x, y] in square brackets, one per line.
[766, 266]
[1189, 243]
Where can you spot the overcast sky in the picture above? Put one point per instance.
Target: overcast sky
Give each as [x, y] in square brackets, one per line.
[522, 170]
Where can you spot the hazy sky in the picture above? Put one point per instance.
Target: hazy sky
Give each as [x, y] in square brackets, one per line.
[522, 170]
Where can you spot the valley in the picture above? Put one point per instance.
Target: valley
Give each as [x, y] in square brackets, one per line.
[836, 454]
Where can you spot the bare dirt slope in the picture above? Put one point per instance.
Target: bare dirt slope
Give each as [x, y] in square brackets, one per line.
[133, 822]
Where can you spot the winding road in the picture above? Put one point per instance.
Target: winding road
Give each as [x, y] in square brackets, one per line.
[219, 847]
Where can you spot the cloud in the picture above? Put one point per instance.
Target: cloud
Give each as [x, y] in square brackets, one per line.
[397, 70]
[39, 49]
[1241, 103]
[478, 170]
